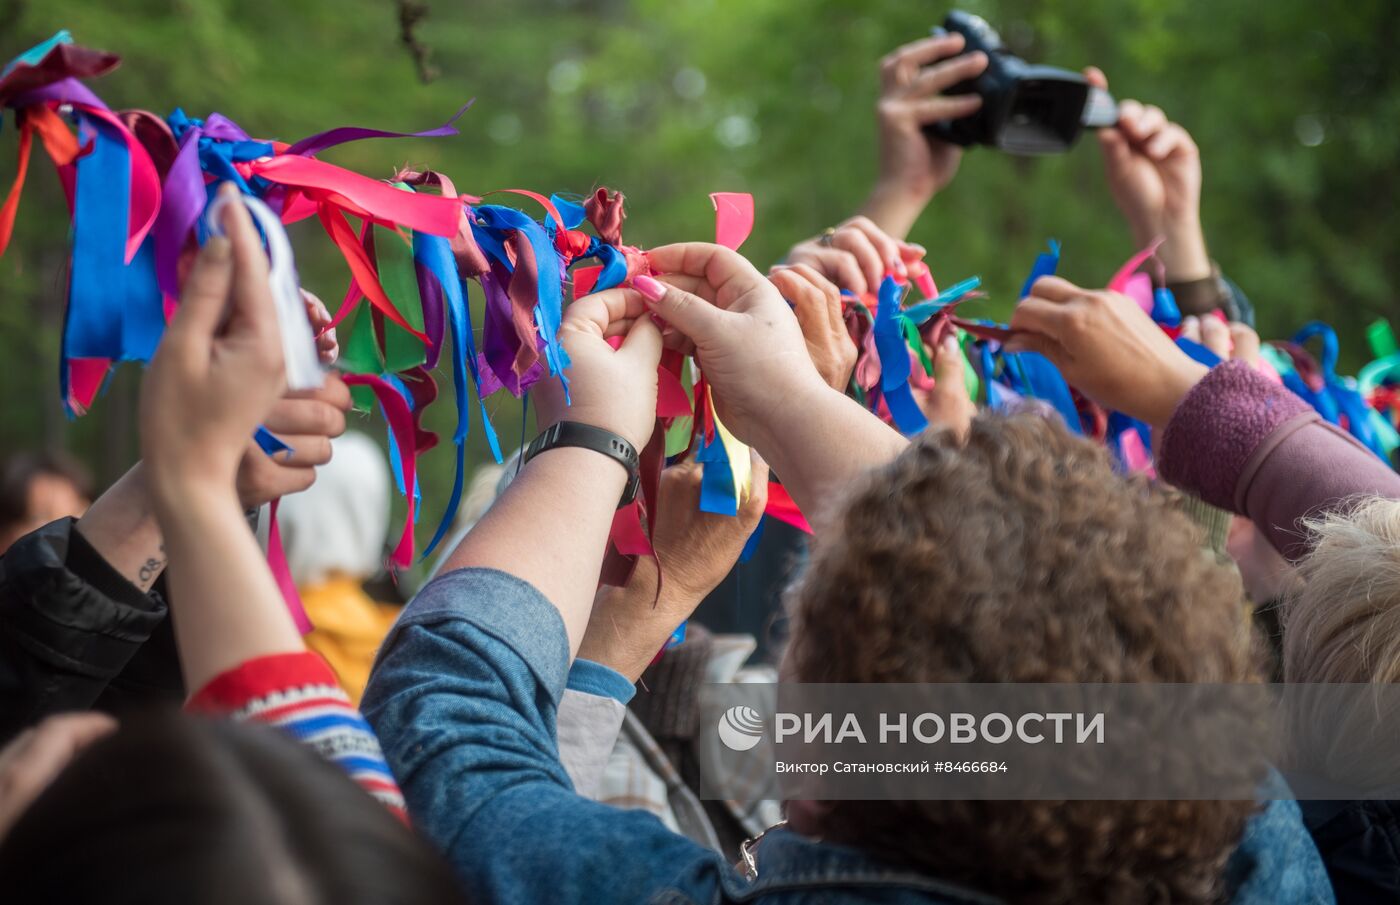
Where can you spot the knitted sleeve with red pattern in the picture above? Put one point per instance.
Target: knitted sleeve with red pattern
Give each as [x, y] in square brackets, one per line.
[299, 694]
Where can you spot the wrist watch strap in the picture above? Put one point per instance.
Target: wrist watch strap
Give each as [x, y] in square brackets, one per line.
[1203, 296]
[586, 436]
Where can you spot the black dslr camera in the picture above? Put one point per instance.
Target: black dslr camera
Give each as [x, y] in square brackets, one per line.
[1025, 109]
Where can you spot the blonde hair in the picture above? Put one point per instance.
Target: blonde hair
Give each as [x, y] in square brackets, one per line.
[1343, 624]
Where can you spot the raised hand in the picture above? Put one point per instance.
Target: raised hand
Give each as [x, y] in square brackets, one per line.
[611, 389]
[1105, 345]
[215, 377]
[913, 166]
[1154, 171]
[747, 339]
[817, 304]
[947, 402]
[856, 255]
[219, 367]
[550, 526]
[694, 550]
[307, 420]
[766, 390]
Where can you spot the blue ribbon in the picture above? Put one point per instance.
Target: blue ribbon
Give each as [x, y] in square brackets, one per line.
[1197, 352]
[1164, 307]
[435, 253]
[751, 545]
[716, 478]
[999, 398]
[572, 212]
[217, 156]
[269, 443]
[395, 460]
[101, 208]
[1340, 397]
[1032, 374]
[893, 352]
[495, 220]
[614, 264]
[1119, 424]
[924, 310]
[1321, 400]
[114, 307]
[1046, 263]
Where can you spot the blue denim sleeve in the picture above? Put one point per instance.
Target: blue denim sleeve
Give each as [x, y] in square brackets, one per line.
[464, 697]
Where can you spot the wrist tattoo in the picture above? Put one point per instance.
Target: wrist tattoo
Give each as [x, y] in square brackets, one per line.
[151, 569]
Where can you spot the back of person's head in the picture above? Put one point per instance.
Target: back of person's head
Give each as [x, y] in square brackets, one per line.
[1343, 623]
[1018, 555]
[339, 527]
[1341, 627]
[175, 809]
[38, 487]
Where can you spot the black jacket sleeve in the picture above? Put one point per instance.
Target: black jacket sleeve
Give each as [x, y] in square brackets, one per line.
[70, 627]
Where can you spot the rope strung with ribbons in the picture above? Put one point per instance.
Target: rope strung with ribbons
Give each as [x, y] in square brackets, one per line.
[139, 185]
[895, 339]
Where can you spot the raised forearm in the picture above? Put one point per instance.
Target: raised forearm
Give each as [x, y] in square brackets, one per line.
[226, 606]
[1183, 253]
[122, 527]
[819, 441]
[550, 529]
[895, 208]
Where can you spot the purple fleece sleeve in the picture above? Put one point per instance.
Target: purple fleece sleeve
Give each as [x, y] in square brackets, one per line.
[1242, 442]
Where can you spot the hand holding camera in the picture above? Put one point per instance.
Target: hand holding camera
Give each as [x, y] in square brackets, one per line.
[1154, 171]
[913, 165]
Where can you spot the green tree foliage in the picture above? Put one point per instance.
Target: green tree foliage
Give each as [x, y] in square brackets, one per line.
[1294, 105]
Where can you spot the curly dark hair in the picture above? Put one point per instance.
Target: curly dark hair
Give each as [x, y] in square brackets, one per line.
[1019, 555]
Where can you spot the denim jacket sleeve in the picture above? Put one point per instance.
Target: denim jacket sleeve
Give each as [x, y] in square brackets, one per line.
[464, 698]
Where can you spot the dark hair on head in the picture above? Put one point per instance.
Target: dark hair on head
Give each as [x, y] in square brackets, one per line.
[1019, 555]
[177, 809]
[18, 471]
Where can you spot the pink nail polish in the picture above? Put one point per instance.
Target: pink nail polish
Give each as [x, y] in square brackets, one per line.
[648, 287]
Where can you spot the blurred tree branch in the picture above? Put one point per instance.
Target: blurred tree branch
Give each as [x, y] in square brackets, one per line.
[411, 12]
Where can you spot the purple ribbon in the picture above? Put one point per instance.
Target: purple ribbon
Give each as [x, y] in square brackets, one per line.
[499, 340]
[222, 128]
[314, 144]
[64, 91]
[183, 197]
[434, 311]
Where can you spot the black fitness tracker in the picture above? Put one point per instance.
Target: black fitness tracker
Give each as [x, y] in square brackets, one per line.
[586, 436]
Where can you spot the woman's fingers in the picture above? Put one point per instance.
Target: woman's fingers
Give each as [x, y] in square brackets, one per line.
[867, 258]
[885, 246]
[597, 310]
[902, 64]
[1245, 343]
[939, 78]
[829, 294]
[1215, 336]
[692, 315]
[719, 266]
